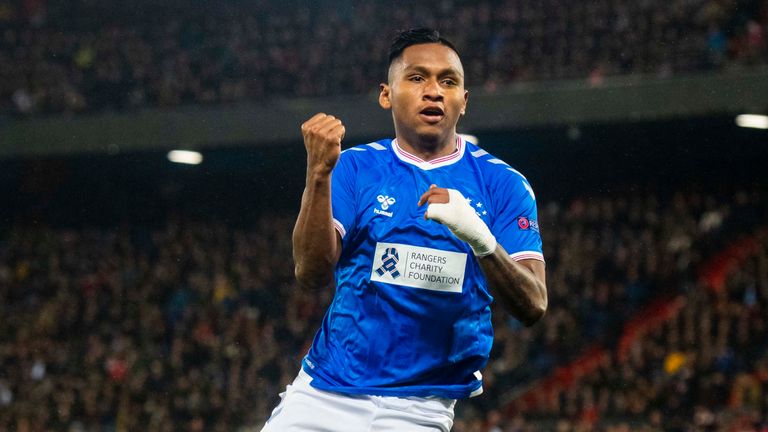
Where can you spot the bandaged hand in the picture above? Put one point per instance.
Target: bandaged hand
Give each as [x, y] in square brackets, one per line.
[450, 208]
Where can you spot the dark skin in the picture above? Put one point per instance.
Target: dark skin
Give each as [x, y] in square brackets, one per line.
[519, 285]
[427, 97]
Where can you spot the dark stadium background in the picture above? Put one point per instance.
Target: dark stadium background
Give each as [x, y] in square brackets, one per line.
[232, 184]
[652, 201]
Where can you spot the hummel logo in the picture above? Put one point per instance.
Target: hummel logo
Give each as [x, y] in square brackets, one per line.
[385, 202]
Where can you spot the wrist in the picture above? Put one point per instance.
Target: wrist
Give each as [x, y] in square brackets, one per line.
[318, 175]
[483, 242]
[319, 166]
[464, 223]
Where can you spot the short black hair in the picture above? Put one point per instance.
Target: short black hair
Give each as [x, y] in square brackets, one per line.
[416, 36]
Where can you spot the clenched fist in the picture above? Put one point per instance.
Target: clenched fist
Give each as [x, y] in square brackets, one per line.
[450, 208]
[322, 138]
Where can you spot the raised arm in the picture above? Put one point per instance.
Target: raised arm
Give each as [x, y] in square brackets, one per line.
[316, 244]
[519, 285]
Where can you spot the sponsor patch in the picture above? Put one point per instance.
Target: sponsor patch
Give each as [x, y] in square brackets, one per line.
[534, 224]
[525, 224]
[522, 223]
[385, 202]
[419, 267]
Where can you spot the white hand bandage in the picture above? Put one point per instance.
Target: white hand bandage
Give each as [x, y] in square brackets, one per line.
[463, 222]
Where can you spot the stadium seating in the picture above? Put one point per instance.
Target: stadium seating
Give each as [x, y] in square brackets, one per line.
[54, 59]
[199, 326]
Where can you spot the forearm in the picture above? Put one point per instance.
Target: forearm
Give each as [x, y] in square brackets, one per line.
[521, 291]
[314, 237]
[521, 286]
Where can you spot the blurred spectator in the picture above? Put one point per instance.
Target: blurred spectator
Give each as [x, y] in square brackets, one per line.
[703, 370]
[199, 326]
[72, 57]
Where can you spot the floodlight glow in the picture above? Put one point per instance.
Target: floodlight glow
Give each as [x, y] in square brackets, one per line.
[754, 121]
[471, 138]
[185, 157]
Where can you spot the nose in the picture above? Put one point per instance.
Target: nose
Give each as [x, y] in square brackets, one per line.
[433, 91]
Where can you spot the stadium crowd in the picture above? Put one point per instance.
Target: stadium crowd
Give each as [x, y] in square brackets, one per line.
[607, 259]
[198, 326]
[75, 56]
[706, 369]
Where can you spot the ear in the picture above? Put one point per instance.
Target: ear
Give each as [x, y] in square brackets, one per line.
[466, 98]
[384, 96]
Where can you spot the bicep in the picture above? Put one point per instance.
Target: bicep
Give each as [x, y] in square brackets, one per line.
[537, 268]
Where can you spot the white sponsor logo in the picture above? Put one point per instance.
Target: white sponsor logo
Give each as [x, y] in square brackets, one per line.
[419, 267]
[534, 225]
[385, 202]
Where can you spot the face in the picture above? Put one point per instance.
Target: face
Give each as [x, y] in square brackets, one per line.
[425, 93]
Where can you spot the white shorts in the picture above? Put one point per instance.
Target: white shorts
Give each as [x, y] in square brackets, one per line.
[305, 408]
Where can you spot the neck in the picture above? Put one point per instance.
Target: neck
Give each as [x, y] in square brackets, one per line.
[427, 149]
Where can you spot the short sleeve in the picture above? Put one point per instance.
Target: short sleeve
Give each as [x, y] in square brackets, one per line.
[516, 224]
[343, 194]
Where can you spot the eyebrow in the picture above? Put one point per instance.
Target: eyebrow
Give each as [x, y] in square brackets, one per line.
[427, 71]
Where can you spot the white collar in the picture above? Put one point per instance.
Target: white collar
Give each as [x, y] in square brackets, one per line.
[434, 163]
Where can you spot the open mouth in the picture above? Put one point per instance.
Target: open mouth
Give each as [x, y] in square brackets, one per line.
[432, 114]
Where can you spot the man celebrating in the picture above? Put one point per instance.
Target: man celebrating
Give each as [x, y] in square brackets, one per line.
[409, 328]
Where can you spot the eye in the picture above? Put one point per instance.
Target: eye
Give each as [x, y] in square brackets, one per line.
[416, 78]
[449, 82]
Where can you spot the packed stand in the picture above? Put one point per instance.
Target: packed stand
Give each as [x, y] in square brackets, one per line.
[62, 56]
[705, 370]
[198, 326]
[193, 327]
[607, 258]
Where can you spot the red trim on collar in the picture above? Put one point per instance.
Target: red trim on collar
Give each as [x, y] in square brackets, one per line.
[445, 158]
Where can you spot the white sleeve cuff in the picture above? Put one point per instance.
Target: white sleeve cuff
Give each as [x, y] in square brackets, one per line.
[339, 227]
[523, 255]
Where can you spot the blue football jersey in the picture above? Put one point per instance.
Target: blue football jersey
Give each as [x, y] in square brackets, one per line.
[411, 313]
